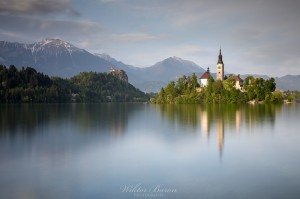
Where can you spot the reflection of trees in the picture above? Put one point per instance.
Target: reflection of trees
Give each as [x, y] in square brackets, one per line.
[260, 114]
[186, 115]
[103, 117]
[24, 118]
[231, 115]
[27, 119]
[220, 117]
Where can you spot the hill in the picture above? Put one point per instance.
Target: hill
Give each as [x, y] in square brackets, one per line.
[55, 57]
[288, 82]
[28, 85]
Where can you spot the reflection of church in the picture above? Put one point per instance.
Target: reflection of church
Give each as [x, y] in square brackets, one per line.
[220, 134]
[218, 121]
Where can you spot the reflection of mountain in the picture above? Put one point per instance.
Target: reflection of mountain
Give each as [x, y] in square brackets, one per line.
[216, 120]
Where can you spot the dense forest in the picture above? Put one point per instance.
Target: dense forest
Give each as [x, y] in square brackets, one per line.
[28, 85]
[186, 90]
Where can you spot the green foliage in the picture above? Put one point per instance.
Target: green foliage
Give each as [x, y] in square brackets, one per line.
[277, 97]
[260, 89]
[103, 87]
[291, 96]
[224, 92]
[181, 92]
[28, 85]
[185, 91]
[229, 83]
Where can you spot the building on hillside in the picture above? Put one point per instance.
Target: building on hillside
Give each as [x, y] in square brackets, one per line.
[220, 76]
[238, 82]
[121, 74]
[204, 78]
[220, 67]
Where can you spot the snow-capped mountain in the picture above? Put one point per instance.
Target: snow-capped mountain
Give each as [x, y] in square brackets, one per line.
[55, 47]
[56, 57]
[15, 53]
[52, 56]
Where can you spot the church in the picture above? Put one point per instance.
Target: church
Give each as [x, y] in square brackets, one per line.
[220, 74]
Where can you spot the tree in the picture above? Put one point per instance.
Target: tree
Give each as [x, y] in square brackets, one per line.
[184, 91]
[180, 85]
[28, 85]
[170, 92]
[277, 97]
[229, 83]
[161, 96]
[194, 81]
[259, 89]
[270, 85]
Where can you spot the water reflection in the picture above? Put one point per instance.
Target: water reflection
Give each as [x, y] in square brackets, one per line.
[29, 119]
[90, 150]
[218, 119]
[112, 119]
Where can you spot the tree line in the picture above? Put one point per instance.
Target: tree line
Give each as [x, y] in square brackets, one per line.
[186, 90]
[29, 85]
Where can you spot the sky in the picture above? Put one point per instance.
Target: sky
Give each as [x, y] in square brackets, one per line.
[256, 37]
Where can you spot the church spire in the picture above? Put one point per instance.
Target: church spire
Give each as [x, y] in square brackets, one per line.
[220, 60]
[220, 67]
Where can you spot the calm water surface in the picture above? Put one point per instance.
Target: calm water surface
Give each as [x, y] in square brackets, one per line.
[149, 151]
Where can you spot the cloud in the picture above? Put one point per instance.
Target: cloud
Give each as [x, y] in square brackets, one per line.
[29, 7]
[136, 37]
[257, 36]
[14, 28]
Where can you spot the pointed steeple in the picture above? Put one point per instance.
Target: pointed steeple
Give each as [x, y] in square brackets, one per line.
[220, 60]
[220, 67]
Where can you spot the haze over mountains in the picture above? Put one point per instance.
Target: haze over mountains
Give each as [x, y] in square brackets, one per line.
[55, 57]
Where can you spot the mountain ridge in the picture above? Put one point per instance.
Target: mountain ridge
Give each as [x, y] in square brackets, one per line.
[56, 57]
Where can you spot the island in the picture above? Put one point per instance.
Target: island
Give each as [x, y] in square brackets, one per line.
[225, 89]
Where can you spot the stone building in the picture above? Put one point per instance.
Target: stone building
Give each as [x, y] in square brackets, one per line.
[121, 74]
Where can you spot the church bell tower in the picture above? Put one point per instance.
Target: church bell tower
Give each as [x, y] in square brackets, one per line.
[220, 67]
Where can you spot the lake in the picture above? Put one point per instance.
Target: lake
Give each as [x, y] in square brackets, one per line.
[149, 151]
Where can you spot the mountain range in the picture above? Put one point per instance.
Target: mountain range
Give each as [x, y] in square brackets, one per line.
[56, 57]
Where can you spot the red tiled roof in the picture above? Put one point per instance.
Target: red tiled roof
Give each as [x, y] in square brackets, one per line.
[237, 78]
[205, 75]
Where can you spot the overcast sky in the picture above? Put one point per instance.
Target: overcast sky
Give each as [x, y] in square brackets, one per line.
[257, 36]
